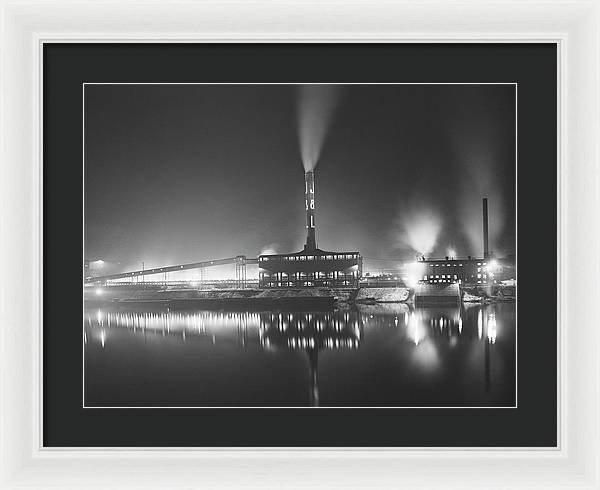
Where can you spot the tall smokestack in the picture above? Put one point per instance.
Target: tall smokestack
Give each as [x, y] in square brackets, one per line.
[309, 200]
[486, 251]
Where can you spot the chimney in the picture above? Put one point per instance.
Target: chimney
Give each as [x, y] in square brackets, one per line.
[309, 201]
[486, 251]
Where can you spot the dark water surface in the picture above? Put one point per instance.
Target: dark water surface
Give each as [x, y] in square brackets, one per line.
[366, 356]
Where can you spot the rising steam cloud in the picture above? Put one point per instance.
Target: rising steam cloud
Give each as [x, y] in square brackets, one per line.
[316, 106]
[418, 228]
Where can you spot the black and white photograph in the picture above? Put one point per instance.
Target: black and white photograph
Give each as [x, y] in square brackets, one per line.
[299, 245]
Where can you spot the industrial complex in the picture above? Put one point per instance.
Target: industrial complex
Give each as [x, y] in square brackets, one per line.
[313, 267]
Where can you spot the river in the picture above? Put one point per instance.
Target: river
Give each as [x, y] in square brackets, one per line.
[390, 355]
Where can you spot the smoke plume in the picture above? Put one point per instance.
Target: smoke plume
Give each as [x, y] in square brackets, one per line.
[270, 249]
[316, 106]
[418, 228]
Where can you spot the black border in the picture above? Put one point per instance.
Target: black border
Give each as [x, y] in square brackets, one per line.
[533, 66]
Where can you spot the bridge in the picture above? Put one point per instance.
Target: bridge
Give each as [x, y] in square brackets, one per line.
[240, 261]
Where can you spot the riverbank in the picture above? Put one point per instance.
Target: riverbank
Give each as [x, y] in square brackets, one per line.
[316, 298]
[273, 298]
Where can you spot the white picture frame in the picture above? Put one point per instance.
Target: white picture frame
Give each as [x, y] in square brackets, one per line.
[573, 25]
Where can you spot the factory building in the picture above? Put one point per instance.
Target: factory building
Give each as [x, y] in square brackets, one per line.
[450, 270]
[483, 271]
[311, 267]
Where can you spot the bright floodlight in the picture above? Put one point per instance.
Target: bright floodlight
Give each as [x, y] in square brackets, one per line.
[493, 265]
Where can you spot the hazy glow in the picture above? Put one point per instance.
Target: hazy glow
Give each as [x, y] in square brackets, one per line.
[426, 357]
[96, 265]
[99, 292]
[425, 354]
[414, 273]
[316, 106]
[491, 328]
[417, 330]
[477, 149]
[269, 249]
[419, 229]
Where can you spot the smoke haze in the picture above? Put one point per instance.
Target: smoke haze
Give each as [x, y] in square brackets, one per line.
[418, 228]
[316, 106]
[177, 174]
[476, 139]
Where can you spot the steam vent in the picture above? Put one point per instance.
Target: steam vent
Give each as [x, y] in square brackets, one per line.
[311, 267]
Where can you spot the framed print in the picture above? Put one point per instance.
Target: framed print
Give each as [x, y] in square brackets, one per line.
[300, 259]
[403, 304]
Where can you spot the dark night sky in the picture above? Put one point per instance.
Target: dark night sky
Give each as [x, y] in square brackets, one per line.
[181, 173]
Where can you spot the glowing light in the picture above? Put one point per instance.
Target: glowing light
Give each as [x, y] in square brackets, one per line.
[479, 324]
[97, 264]
[99, 291]
[491, 330]
[419, 229]
[415, 328]
[414, 272]
[102, 338]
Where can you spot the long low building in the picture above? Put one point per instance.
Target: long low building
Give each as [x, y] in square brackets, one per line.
[310, 269]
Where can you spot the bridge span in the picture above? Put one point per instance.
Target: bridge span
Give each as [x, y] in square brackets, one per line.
[240, 261]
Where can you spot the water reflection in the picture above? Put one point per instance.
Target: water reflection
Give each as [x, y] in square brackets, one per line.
[311, 332]
[422, 339]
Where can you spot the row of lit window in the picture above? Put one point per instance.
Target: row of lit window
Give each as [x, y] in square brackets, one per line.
[305, 284]
[448, 278]
[305, 275]
[452, 264]
[445, 265]
[293, 258]
[444, 276]
[431, 281]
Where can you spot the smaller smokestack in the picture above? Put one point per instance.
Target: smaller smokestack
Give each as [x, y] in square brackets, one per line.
[309, 201]
[486, 251]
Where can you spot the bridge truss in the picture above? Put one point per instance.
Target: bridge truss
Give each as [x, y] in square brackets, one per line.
[240, 262]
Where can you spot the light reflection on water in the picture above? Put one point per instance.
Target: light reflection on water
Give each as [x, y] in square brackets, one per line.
[373, 355]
